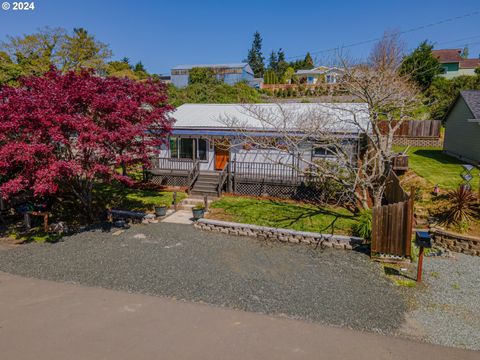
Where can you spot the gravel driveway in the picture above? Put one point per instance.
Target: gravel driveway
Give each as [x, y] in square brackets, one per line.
[330, 286]
[448, 305]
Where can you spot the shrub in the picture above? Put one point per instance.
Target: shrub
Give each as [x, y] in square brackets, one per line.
[363, 228]
[461, 210]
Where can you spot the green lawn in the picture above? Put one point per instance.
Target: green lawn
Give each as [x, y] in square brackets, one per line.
[282, 214]
[436, 167]
[118, 196]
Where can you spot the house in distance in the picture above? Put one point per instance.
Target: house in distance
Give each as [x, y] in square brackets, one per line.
[228, 73]
[453, 64]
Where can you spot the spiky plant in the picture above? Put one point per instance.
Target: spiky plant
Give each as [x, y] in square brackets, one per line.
[461, 208]
[363, 228]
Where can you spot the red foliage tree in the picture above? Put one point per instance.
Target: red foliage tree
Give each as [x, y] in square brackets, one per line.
[66, 131]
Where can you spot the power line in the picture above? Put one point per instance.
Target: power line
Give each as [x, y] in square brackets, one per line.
[458, 40]
[394, 34]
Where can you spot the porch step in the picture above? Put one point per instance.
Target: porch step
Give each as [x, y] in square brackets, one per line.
[192, 201]
[212, 193]
[207, 182]
[205, 187]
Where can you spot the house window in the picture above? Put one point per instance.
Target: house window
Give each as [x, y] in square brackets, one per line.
[174, 148]
[202, 149]
[331, 79]
[186, 148]
[180, 72]
[182, 148]
[324, 151]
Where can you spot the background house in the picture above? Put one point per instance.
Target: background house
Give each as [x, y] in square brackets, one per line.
[320, 74]
[462, 127]
[453, 64]
[228, 73]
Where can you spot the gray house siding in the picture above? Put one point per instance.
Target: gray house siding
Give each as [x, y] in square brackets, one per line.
[462, 138]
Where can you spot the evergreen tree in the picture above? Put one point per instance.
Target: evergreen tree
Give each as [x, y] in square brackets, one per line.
[273, 61]
[421, 65]
[308, 62]
[281, 55]
[282, 65]
[255, 57]
[139, 67]
[465, 52]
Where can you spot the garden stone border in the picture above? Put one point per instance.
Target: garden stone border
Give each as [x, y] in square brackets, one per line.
[277, 234]
[465, 244]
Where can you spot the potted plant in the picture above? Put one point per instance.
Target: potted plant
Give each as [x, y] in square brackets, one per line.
[161, 209]
[198, 211]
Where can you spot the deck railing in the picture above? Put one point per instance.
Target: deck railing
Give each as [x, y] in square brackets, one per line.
[240, 169]
[186, 165]
[257, 170]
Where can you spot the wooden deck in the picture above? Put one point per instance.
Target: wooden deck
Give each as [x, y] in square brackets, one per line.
[248, 178]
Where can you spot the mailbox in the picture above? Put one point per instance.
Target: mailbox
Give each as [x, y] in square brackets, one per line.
[423, 239]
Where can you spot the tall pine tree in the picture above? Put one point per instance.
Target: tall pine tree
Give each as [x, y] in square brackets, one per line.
[308, 62]
[255, 57]
[273, 61]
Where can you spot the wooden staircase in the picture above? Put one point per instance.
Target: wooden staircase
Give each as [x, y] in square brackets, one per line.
[206, 184]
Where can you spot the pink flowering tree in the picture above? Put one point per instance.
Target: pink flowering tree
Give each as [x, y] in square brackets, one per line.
[64, 132]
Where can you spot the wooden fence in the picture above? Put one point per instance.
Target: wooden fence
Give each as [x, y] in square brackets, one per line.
[414, 128]
[392, 223]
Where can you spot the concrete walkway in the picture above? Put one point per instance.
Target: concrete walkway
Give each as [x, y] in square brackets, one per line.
[179, 217]
[48, 320]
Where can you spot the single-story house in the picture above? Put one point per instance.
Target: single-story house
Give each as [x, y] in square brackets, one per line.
[228, 73]
[462, 127]
[209, 141]
[453, 64]
[318, 75]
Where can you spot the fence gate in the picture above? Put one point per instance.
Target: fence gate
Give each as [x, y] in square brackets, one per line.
[392, 224]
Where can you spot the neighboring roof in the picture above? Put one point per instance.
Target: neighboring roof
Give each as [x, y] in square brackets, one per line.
[228, 66]
[310, 72]
[469, 63]
[448, 55]
[472, 98]
[318, 71]
[337, 117]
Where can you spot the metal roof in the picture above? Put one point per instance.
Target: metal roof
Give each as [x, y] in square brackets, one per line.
[335, 117]
[231, 66]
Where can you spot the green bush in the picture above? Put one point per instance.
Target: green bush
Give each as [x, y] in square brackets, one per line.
[363, 227]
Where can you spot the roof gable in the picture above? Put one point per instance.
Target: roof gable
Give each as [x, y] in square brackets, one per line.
[448, 55]
[472, 99]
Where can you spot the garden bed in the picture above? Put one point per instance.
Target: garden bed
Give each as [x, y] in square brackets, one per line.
[429, 167]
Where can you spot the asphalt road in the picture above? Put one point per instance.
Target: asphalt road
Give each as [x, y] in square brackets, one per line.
[46, 320]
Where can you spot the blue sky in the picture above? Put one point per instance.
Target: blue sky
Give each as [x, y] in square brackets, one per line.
[163, 34]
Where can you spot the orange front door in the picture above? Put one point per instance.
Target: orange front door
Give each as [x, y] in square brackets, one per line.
[221, 157]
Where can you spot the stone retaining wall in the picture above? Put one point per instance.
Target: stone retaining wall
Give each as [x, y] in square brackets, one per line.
[469, 245]
[285, 235]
